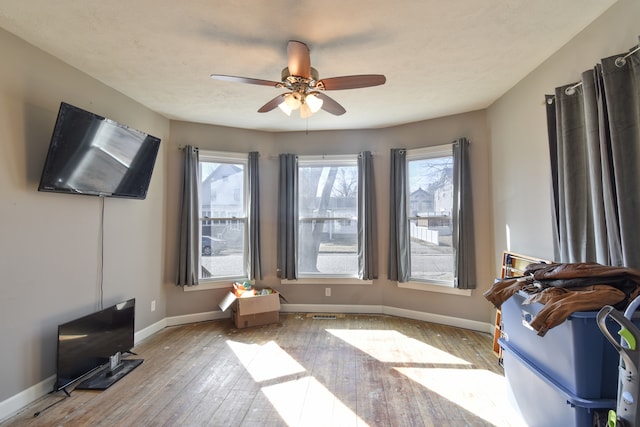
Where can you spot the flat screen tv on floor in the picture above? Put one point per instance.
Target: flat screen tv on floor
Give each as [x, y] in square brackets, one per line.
[90, 348]
[93, 155]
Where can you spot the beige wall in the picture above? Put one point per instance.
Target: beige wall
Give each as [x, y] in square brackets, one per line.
[49, 243]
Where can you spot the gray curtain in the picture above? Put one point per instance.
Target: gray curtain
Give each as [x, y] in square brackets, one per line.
[594, 144]
[367, 224]
[287, 217]
[255, 258]
[399, 257]
[463, 240]
[189, 247]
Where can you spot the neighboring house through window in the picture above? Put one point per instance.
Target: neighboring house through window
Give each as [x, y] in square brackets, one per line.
[429, 195]
[223, 215]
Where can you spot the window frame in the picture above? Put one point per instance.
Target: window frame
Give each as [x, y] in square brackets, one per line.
[423, 153]
[323, 161]
[210, 156]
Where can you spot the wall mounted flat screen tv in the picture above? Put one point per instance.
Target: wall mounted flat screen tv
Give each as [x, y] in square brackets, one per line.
[93, 155]
[87, 345]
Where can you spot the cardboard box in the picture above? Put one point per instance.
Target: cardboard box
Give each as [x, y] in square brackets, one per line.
[254, 310]
[257, 319]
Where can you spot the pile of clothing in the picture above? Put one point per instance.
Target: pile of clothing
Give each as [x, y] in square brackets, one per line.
[565, 288]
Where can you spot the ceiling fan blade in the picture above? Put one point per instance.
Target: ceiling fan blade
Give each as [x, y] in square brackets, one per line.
[272, 104]
[249, 80]
[298, 59]
[353, 82]
[330, 106]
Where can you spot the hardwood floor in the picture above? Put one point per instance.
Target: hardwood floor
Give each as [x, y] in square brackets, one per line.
[355, 370]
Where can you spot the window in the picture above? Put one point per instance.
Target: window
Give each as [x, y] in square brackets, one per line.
[429, 195]
[223, 215]
[328, 216]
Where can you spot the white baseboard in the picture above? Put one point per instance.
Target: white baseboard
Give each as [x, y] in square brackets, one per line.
[197, 317]
[473, 325]
[331, 308]
[149, 330]
[392, 311]
[14, 404]
[177, 320]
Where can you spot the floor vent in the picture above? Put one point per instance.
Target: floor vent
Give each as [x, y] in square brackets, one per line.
[324, 317]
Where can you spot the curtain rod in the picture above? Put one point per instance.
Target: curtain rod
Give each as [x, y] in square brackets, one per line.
[620, 62]
[276, 156]
[572, 89]
[324, 156]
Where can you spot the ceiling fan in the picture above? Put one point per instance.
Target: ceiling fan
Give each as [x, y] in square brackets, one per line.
[305, 89]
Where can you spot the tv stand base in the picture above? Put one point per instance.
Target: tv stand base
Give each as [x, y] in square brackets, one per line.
[106, 378]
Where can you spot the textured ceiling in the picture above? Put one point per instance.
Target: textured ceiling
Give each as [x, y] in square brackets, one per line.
[440, 58]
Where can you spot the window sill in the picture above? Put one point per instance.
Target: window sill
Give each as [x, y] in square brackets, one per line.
[213, 284]
[326, 281]
[429, 287]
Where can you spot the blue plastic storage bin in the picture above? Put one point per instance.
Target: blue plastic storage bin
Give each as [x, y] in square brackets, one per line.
[542, 401]
[575, 354]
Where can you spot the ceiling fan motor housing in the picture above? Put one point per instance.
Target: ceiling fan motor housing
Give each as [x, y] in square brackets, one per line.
[299, 84]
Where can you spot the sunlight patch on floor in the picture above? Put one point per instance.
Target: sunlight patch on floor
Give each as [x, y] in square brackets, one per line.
[478, 391]
[306, 402]
[300, 402]
[265, 362]
[376, 343]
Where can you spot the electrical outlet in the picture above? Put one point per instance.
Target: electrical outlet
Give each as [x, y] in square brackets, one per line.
[153, 305]
[327, 292]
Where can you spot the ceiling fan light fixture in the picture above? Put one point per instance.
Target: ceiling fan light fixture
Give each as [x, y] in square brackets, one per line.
[305, 111]
[313, 102]
[285, 108]
[293, 100]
